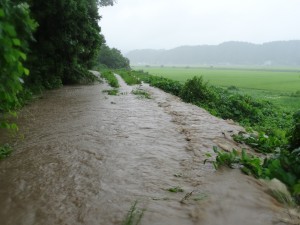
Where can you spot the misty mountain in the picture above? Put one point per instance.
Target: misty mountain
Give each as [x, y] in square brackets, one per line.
[280, 53]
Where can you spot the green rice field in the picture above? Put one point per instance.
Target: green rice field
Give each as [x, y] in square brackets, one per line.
[280, 86]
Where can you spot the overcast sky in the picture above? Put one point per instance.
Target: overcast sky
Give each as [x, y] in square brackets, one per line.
[165, 24]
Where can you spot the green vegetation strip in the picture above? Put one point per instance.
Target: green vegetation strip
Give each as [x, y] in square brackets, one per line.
[129, 77]
[263, 79]
[110, 78]
[279, 86]
[272, 129]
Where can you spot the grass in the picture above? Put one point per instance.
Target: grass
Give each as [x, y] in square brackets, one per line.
[128, 77]
[134, 215]
[289, 101]
[110, 78]
[276, 85]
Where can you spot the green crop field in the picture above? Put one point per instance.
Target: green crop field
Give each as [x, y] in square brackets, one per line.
[278, 85]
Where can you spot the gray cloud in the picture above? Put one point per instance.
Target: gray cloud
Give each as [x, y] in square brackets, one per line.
[139, 24]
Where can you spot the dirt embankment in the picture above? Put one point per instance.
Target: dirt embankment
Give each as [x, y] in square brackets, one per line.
[86, 157]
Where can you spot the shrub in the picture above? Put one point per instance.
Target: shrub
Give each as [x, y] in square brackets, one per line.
[195, 90]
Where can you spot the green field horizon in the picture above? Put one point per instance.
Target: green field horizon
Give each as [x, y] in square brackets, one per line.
[278, 85]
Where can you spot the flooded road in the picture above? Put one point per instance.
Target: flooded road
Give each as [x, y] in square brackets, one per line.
[86, 157]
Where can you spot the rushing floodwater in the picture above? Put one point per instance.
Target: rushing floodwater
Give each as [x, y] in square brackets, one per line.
[86, 157]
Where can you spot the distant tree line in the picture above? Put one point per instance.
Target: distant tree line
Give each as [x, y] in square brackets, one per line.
[278, 53]
[45, 44]
[112, 58]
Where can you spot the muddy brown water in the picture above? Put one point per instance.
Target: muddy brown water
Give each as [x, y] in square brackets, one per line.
[85, 157]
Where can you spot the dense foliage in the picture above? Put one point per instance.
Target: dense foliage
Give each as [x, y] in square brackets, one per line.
[295, 134]
[16, 29]
[112, 58]
[65, 44]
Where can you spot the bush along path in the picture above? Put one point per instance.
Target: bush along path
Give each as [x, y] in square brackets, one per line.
[91, 158]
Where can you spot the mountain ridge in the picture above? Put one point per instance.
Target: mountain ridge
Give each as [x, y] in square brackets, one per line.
[284, 53]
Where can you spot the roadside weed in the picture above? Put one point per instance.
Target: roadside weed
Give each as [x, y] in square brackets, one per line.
[5, 151]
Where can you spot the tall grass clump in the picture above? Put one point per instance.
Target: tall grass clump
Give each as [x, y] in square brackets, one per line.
[110, 78]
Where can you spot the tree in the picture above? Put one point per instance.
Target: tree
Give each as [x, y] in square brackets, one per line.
[66, 41]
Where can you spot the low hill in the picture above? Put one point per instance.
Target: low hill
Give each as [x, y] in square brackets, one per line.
[279, 53]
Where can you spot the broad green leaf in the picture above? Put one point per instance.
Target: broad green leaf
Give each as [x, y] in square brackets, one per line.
[1, 13]
[22, 55]
[16, 42]
[26, 71]
[9, 29]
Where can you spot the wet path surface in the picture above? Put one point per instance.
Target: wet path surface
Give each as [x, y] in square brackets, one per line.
[86, 157]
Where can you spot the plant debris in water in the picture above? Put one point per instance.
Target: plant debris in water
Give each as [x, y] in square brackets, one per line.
[111, 92]
[178, 175]
[134, 215]
[175, 189]
[141, 93]
[5, 151]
